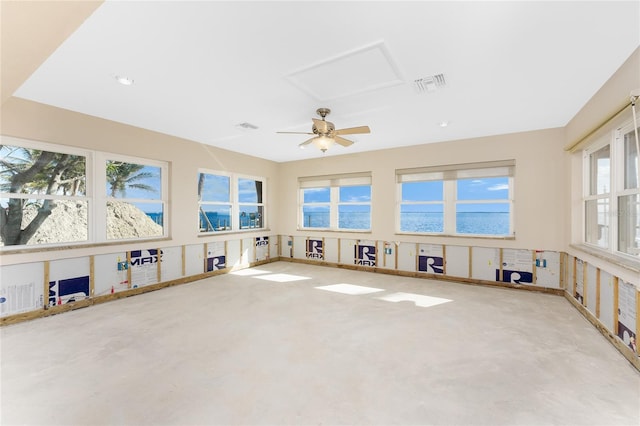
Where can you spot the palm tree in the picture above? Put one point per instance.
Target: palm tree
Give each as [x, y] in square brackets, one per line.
[122, 176]
[31, 171]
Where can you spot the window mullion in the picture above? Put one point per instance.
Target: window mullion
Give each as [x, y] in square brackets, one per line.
[449, 207]
[333, 210]
[98, 197]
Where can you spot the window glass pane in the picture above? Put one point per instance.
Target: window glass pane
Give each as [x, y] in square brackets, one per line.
[316, 195]
[249, 191]
[142, 220]
[630, 161]
[355, 194]
[133, 181]
[629, 224]
[599, 182]
[250, 216]
[54, 173]
[422, 191]
[52, 221]
[215, 217]
[214, 188]
[483, 189]
[597, 222]
[354, 216]
[315, 217]
[421, 218]
[482, 219]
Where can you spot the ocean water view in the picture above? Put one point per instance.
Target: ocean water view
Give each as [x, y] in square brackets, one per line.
[477, 223]
[222, 222]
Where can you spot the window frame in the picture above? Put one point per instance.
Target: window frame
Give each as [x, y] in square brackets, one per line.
[95, 194]
[449, 175]
[614, 139]
[102, 198]
[234, 203]
[334, 183]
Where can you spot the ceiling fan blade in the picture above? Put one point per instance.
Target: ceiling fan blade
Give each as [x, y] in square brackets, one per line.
[305, 143]
[353, 130]
[297, 133]
[321, 125]
[342, 141]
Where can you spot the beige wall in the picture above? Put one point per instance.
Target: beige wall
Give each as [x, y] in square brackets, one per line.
[33, 121]
[539, 193]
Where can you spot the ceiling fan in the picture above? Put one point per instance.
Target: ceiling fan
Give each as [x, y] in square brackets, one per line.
[326, 134]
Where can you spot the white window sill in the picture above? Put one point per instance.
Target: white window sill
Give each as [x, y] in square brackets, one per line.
[630, 263]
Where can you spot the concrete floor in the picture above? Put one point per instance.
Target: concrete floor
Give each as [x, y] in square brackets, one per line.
[244, 349]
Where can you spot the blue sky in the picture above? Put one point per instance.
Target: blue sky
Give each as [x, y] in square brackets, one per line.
[467, 189]
[348, 194]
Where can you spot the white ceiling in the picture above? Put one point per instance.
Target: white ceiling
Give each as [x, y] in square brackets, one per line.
[202, 67]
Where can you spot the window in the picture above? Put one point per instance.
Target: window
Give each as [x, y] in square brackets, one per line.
[341, 202]
[612, 194]
[250, 205]
[228, 202]
[43, 197]
[463, 199]
[49, 195]
[134, 191]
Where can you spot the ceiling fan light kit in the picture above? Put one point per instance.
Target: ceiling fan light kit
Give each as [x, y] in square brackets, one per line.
[326, 134]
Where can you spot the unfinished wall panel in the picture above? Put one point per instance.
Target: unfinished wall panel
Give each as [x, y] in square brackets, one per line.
[331, 250]
[68, 281]
[314, 249]
[606, 300]
[346, 250]
[216, 256]
[171, 263]
[457, 261]
[484, 263]
[110, 273]
[299, 247]
[21, 288]
[547, 268]
[407, 253]
[247, 252]
[579, 281]
[387, 254]
[233, 253]
[591, 290]
[431, 258]
[365, 253]
[143, 267]
[274, 246]
[194, 259]
[261, 248]
[517, 267]
[627, 306]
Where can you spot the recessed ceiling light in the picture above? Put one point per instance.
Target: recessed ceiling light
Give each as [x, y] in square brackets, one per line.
[126, 81]
[443, 123]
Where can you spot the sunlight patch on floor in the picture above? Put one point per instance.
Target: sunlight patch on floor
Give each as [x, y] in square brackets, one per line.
[419, 299]
[249, 272]
[349, 289]
[282, 278]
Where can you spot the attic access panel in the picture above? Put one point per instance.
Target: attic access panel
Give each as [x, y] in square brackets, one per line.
[361, 70]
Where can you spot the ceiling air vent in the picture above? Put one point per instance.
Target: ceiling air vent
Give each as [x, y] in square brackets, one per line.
[429, 83]
[246, 126]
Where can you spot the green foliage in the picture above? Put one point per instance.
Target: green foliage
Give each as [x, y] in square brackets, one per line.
[122, 176]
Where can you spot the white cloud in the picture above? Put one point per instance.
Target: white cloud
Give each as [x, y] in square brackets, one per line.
[498, 187]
